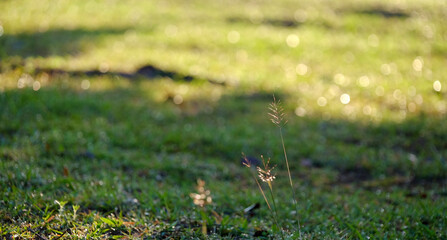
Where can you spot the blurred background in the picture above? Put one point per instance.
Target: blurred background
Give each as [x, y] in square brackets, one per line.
[352, 60]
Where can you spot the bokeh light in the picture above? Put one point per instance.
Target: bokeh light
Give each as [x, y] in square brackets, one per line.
[85, 84]
[322, 101]
[385, 69]
[437, 86]
[419, 99]
[300, 111]
[301, 69]
[418, 64]
[36, 85]
[341, 80]
[292, 40]
[178, 99]
[233, 36]
[363, 81]
[104, 67]
[345, 98]
[367, 110]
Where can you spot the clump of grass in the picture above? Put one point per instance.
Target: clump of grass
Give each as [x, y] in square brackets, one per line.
[266, 175]
[201, 199]
[277, 116]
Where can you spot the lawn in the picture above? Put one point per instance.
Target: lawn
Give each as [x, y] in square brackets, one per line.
[111, 112]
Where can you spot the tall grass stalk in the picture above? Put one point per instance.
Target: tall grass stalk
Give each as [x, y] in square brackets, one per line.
[277, 117]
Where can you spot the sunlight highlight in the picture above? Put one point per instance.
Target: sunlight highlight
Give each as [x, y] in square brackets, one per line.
[345, 98]
[321, 101]
[419, 99]
[418, 64]
[397, 94]
[367, 110]
[25, 80]
[341, 80]
[293, 41]
[178, 99]
[363, 81]
[301, 69]
[300, 112]
[36, 86]
[104, 67]
[21, 83]
[437, 86]
[385, 69]
[85, 84]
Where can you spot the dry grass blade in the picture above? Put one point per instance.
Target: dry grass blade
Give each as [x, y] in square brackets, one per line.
[246, 162]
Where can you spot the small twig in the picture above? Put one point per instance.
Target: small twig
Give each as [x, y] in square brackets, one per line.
[35, 233]
[60, 235]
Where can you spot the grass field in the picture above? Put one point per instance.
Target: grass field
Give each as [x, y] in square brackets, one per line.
[110, 111]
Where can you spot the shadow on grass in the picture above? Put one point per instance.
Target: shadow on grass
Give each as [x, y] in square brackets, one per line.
[54, 42]
[285, 22]
[383, 11]
[276, 22]
[144, 72]
[358, 150]
[392, 13]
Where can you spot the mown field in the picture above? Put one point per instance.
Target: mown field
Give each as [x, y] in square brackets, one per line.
[110, 111]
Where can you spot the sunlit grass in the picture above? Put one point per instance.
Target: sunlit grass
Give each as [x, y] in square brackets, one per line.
[330, 42]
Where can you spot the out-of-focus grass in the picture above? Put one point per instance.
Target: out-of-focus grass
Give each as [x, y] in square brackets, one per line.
[128, 147]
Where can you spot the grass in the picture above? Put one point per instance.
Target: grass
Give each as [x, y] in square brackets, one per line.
[80, 125]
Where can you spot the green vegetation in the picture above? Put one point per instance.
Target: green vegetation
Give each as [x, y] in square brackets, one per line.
[110, 111]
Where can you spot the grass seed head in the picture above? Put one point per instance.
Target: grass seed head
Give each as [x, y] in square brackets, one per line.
[266, 174]
[277, 115]
[246, 162]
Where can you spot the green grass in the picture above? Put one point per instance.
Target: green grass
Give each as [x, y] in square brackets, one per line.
[128, 148]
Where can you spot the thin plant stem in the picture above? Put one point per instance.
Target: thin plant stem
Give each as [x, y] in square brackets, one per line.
[262, 191]
[204, 227]
[290, 179]
[274, 210]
